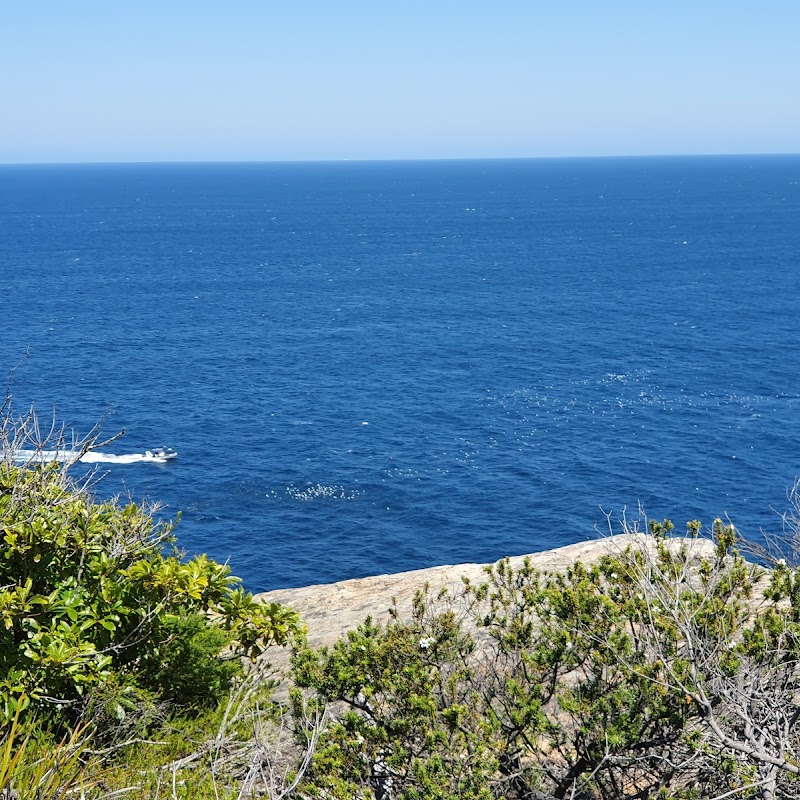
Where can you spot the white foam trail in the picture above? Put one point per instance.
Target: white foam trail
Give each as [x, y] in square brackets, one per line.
[108, 458]
[46, 456]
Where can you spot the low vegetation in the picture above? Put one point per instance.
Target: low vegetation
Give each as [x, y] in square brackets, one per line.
[665, 669]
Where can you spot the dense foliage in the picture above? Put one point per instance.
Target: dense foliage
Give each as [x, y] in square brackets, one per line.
[667, 669]
[413, 728]
[95, 603]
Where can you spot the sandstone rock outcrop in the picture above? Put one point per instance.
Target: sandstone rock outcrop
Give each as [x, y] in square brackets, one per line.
[331, 609]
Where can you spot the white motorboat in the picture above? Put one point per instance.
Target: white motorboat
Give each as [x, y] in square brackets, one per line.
[160, 454]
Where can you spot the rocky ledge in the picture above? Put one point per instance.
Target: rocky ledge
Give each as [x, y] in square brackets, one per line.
[331, 609]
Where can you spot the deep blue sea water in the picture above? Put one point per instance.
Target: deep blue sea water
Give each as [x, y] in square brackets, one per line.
[373, 367]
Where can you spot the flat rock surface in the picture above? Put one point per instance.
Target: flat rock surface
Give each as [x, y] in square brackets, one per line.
[331, 609]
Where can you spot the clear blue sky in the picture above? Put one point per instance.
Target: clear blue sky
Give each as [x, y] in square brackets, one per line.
[103, 80]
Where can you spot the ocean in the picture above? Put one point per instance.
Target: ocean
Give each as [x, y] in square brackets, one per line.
[369, 367]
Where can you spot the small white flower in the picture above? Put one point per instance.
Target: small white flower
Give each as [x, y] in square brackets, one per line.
[426, 642]
[781, 562]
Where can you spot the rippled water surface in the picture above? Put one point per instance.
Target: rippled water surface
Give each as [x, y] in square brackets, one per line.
[371, 367]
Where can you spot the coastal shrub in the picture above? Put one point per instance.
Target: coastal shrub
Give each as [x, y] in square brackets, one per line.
[669, 668]
[94, 598]
[410, 729]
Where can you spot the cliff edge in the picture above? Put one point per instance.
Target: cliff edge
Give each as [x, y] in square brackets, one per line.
[331, 609]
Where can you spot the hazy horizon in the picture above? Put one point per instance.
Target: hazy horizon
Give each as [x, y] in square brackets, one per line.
[399, 160]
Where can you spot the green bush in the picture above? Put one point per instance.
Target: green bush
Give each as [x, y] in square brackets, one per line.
[411, 729]
[94, 598]
[667, 669]
[190, 670]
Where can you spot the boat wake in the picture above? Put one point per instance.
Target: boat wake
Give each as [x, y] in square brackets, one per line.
[159, 455]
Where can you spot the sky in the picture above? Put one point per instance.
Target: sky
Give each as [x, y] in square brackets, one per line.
[247, 80]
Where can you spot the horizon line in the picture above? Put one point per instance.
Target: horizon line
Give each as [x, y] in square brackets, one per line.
[387, 160]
